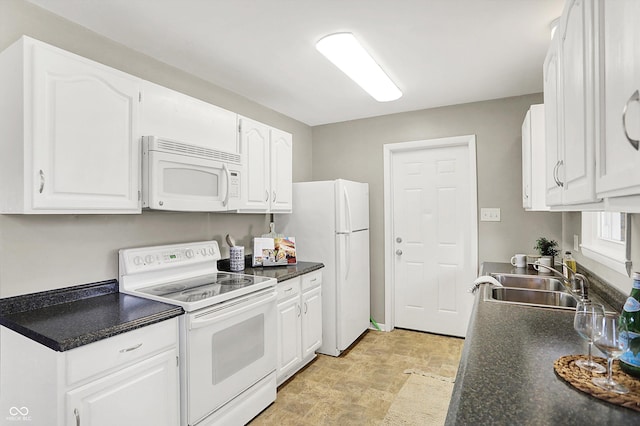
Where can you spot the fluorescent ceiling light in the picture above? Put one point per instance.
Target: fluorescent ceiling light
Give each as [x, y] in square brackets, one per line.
[347, 54]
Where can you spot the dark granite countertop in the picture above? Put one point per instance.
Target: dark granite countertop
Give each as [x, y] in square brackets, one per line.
[70, 317]
[506, 373]
[281, 273]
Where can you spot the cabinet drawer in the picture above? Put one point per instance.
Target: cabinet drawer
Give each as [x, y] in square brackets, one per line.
[311, 280]
[288, 288]
[117, 351]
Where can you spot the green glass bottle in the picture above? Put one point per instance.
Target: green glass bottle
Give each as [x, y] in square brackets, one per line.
[630, 359]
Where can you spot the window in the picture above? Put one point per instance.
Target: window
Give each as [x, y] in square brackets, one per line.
[604, 239]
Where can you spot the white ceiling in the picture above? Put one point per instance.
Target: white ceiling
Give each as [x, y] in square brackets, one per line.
[439, 52]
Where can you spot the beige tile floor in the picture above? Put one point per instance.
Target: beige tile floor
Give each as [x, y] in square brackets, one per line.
[358, 387]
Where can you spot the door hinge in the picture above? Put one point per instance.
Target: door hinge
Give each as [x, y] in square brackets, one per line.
[139, 195]
[177, 361]
[139, 96]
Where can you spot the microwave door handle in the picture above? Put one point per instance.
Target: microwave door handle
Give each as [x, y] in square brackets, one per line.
[228, 174]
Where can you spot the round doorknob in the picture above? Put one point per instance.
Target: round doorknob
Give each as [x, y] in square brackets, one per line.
[399, 252]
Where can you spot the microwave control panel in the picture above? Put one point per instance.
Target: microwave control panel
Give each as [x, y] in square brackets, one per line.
[234, 185]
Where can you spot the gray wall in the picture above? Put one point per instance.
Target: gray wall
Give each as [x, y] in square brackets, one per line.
[43, 252]
[353, 150]
[46, 251]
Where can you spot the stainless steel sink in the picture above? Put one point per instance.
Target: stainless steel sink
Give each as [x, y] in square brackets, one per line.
[530, 297]
[535, 282]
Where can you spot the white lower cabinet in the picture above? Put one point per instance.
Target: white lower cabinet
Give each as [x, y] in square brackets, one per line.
[143, 394]
[131, 379]
[311, 321]
[289, 327]
[299, 323]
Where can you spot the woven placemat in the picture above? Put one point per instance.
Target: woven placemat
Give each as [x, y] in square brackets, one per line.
[580, 379]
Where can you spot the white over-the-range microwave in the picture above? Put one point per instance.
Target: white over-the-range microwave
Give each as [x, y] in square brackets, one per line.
[183, 177]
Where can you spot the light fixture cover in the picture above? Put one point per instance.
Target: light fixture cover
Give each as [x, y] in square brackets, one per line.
[344, 50]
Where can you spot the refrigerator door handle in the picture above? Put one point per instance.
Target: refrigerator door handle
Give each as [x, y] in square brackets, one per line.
[348, 208]
[347, 255]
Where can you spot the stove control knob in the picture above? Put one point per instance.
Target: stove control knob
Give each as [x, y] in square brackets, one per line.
[148, 258]
[137, 260]
[211, 251]
[189, 253]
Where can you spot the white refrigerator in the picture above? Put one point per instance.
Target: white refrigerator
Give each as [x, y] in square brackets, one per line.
[330, 222]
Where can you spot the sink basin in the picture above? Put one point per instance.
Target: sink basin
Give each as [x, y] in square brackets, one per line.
[529, 297]
[529, 282]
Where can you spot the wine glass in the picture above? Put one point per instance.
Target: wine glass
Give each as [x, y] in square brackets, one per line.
[585, 322]
[612, 341]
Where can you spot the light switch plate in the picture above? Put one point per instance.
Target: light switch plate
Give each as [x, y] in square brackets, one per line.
[489, 214]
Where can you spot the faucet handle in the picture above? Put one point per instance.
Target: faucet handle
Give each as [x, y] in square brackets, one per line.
[584, 285]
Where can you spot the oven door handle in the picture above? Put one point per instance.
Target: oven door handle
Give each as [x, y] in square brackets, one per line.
[231, 308]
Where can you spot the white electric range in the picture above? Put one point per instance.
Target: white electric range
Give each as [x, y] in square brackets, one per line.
[227, 336]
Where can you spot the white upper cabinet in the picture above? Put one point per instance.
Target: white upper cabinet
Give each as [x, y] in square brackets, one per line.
[619, 136]
[552, 101]
[70, 141]
[571, 177]
[533, 159]
[577, 173]
[526, 161]
[254, 146]
[173, 115]
[281, 171]
[267, 160]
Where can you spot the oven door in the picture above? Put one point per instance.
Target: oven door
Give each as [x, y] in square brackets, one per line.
[184, 183]
[229, 348]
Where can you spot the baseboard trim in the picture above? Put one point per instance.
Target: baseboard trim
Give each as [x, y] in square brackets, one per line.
[383, 327]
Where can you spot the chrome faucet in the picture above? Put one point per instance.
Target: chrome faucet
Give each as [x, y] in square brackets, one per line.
[485, 279]
[569, 283]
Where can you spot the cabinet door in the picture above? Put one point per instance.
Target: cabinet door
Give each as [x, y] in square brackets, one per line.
[577, 172]
[618, 171]
[146, 393]
[254, 146]
[526, 161]
[289, 331]
[552, 102]
[174, 115]
[85, 140]
[281, 171]
[311, 321]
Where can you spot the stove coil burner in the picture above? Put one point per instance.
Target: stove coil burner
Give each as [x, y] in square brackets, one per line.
[235, 281]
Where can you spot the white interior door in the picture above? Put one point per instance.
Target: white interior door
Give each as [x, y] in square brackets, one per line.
[434, 236]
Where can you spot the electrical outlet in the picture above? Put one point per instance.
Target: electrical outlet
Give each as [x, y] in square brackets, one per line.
[490, 214]
[576, 244]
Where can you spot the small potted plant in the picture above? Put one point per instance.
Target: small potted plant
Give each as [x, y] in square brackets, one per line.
[547, 249]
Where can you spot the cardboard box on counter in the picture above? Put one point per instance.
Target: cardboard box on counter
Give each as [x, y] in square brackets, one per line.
[274, 251]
